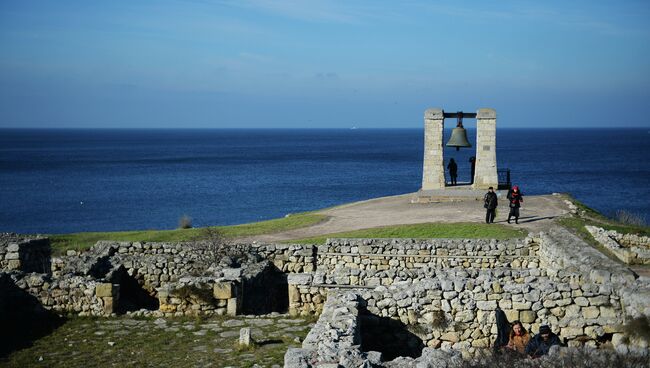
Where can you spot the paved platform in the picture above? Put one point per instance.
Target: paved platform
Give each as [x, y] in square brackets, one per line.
[537, 214]
[460, 192]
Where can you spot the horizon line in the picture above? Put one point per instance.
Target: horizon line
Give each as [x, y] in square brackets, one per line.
[313, 128]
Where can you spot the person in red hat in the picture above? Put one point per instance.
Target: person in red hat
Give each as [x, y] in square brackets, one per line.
[515, 197]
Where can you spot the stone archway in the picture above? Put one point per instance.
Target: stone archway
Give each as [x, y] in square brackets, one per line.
[433, 173]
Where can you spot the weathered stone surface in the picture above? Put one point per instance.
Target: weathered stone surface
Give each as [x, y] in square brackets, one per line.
[104, 290]
[245, 336]
[527, 316]
[223, 290]
[233, 307]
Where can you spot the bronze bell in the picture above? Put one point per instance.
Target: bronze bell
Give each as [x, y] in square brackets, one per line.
[459, 135]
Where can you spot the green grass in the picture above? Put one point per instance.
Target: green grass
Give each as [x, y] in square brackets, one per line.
[589, 216]
[578, 224]
[82, 241]
[427, 230]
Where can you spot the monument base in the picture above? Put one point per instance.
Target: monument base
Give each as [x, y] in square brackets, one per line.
[456, 193]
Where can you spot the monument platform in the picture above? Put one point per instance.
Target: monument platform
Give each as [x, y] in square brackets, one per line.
[456, 193]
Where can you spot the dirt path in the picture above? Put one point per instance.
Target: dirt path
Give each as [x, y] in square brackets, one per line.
[537, 214]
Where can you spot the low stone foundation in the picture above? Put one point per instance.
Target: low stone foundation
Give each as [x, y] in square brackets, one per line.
[629, 248]
[24, 254]
[585, 297]
[436, 293]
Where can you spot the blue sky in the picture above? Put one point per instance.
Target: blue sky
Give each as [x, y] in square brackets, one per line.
[321, 64]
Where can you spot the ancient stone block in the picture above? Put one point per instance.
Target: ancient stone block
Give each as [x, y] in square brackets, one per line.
[599, 300]
[232, 273]
[496, 287]
[167, 308]
[245, 336]
[608, 312]
[10, 256]
[223, 290]
[231, 309]
[299, 278]
[527, 316]
[511, 314]
[521, 306]
[581, 301]
[481, 343]
[450, 336]
[14, 264]
[590, 312]
[486, 305]
[571, 332]
[108, 305]
[594, 331]
[104, 290]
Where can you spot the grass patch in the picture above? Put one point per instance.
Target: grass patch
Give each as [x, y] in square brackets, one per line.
[426, 230]
[83, 241]
[180, 342]
[589, 216]
[577, 224]
[586, 210]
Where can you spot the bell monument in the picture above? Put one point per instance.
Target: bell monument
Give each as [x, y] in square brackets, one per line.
[433, 173]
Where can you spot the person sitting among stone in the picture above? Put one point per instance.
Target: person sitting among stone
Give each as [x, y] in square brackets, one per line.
[541, 343]
[519, 338]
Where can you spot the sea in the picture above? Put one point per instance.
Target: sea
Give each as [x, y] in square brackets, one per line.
[73, 180]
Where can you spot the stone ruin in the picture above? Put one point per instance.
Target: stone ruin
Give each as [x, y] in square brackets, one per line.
[629, 248]
[380, 302]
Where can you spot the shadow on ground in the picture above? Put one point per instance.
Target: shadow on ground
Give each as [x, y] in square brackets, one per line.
[23, 319]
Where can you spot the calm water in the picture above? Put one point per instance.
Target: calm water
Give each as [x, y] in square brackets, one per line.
[56, 181]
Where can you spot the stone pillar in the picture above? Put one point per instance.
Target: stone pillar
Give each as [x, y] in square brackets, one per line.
[486, 155]
[433, 172]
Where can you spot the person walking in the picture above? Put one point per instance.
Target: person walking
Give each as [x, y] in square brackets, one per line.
[515, 197]
[490, 205]
[453, 171]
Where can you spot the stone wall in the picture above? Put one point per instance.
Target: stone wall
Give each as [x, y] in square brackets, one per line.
[234, 291]
[79, 295]
[339, 339]
[335, 339]
[564, 255]
[200, 296]
[584, 296]
[168, 278]
[629, 248]
[456, 308]
[156, 264]
[24, 254]
[398, 255]
[444, 291]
